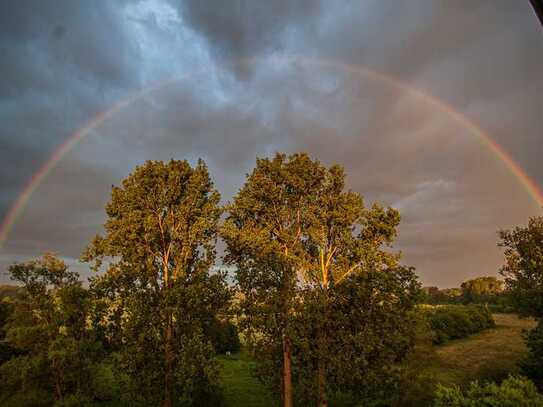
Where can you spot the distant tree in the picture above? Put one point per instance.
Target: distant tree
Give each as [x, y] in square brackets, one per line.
[523, 268]
[158, 294]
[224, 336]
[57, 353]
[435, 295]
[481, 289]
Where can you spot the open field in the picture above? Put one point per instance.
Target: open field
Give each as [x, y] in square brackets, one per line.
[491, 354]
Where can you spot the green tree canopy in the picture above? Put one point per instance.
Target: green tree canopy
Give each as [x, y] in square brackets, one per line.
[481, 289]
[57, 352]
[158, 294]
[523, 268]
[263, 232]
[296, 237]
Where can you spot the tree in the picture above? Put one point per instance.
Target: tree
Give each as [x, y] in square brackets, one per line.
[369, 331]
[342, 239]
[523, 272]
[481, 289]
[532, 365]
[523, 268]
[57, 353]
[158, 294]
[263, 234]
[296, 237]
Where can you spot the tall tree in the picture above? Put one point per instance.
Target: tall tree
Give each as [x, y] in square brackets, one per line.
[343, 239]
[158, 290]
[264, 232]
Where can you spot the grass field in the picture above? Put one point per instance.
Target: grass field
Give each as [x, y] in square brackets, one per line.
[491, 354]
[241, 388]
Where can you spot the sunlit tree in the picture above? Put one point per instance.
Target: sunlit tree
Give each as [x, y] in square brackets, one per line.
[158, 294]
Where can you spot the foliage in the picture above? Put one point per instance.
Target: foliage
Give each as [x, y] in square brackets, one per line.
[158, 295]
[523, 268]
[532, 365]
[457, 321]
[371, 330]
[435, 295]
[512, 392]
[224, 336]
[416, 384]
[263, 234]
[6, 351]
[301, 243]
[482, 290]
[57, 352]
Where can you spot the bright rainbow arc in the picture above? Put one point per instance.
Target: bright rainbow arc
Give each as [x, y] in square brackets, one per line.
[18, 207]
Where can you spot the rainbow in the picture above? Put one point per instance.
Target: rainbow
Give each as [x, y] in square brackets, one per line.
[520, 174]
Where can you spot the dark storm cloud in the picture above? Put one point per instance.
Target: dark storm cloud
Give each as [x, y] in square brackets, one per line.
[244, 28]
[61, 63]
[65, 61]
[468, 55]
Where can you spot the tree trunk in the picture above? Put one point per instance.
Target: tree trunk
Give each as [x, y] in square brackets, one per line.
[323, 399]
[287, 371]
[321, 365]
[57, 378]
[168, 359]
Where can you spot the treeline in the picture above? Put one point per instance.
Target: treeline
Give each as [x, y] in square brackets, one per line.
[488, 290]
[319, 296]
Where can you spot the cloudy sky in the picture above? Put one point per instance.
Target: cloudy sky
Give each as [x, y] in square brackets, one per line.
[229, 81]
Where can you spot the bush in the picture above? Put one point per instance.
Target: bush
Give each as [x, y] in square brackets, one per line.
[513, 392]
[532, 365]
[458, 321]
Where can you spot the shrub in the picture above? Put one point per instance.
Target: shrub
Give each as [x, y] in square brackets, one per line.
[458, 321]
[224, 336]
[532, 365]
[512, 392]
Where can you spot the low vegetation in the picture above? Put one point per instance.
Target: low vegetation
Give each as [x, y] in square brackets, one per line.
[514, 391]
[457, 321]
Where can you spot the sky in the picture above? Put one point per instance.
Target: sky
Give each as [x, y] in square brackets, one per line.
[230, 81]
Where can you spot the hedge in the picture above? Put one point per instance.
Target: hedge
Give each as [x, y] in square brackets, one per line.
[457, 321]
